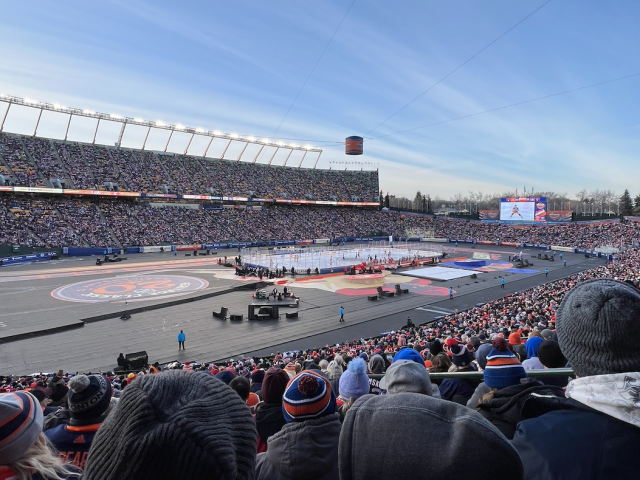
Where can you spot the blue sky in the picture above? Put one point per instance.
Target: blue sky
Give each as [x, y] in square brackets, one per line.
[237, 66]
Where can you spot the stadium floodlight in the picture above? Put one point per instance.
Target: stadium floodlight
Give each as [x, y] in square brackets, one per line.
[200, 130]
[138, 119]
[88, 112]
[2, 95]
[234, 135]
[308, 147]
[217, 132]
[115, 116]
[251, 139]
[31, 101]
[293, 145]
[280, 143]
[265, 140]
[179, 127]
[160, 124]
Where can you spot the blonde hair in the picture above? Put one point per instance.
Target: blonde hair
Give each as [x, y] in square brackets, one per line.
[41, 458]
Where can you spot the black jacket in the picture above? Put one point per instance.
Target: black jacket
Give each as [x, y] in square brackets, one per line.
[504, 410]
[570, 440]
[269, 420]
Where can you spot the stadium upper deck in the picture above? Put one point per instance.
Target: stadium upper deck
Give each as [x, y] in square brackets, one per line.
[37, 162]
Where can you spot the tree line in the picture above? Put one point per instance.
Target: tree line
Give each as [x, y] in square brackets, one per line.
[595, 202]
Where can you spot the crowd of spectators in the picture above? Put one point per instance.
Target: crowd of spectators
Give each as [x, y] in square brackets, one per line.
[113, 222]
[566, 235]
[326, 413]
[94, 167]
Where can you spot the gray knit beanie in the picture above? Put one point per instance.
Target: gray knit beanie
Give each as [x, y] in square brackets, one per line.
[175, 425]
[598, 325]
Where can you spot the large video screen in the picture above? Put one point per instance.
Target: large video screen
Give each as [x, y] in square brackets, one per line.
[531, 209]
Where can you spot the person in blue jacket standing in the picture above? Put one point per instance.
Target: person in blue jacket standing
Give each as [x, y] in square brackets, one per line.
[502, 282]
[181, 338]
[342, 314]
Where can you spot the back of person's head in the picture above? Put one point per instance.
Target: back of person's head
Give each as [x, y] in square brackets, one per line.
[23, 446]
[406, 376]
[481, 354]
[242, 387]
[550, 355]
[274, 384]
[354, 382]
[308, 396]
[408, 354]
[465, 441]
[503, 368]
[334, 370]
[440, 363]
[532, 346]
[598, 326]
[89, 397]
[376, 364]
[175, 425]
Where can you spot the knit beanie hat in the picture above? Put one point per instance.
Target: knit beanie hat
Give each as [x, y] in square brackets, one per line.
[226, 376]
[514, 339]
[257, 376]
[21, 422]
[503, 368]
[435, 348]
[406, 376]
[546, 334]
[274, 384]
[89, 397]
[532, 346]
[550, 355]
[308, 395]
[461, 356]
[598, 325]
[407, 354]
[354, 382]
[175, 425]
[334, 369]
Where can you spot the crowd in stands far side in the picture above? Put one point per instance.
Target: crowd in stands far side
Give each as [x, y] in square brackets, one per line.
[34, 162]
[59, 222]
[362, 409]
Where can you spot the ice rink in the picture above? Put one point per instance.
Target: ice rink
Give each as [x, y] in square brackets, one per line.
[330, 258]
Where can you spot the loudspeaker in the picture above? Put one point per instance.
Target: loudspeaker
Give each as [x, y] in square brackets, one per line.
[137, 360]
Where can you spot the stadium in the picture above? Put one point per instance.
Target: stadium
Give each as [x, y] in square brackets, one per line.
[245, 297]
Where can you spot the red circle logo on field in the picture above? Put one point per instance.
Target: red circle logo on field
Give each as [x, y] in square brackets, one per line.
[132, 289]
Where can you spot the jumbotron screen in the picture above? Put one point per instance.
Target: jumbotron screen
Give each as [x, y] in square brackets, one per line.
[530, 209]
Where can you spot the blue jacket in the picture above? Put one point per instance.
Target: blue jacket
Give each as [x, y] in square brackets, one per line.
[572, 441]
[181, 337]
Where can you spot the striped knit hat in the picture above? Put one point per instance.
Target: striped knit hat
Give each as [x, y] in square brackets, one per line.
[503, 368]
[308, 395]
[20, 425]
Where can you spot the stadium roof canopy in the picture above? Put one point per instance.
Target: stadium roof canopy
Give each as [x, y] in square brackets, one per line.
[157, 125]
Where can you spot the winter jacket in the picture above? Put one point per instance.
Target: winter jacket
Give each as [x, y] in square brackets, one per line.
[73, 442]
[302, 451]
[593, 434]
[504, 410]
[458, 387]
[269, 420]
